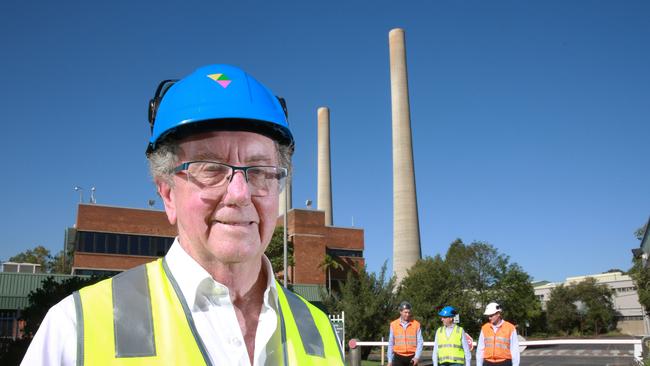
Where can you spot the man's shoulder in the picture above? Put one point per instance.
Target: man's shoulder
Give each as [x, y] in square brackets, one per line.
[507, 325]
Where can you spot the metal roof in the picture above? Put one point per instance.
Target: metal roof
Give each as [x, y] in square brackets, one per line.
[15, 287]
[311, 293]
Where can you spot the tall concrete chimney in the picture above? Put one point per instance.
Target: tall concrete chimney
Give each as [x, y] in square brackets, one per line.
[406, 227]
[324, 167]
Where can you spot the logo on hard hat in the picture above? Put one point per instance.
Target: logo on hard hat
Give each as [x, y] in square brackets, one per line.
[222, 79]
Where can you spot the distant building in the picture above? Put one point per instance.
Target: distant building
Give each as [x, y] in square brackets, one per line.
[13, 267]
[14, 290]
[108, 240]
[312, 240]
[630, 314]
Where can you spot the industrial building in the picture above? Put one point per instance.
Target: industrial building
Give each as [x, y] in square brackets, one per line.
[107, 240]
[631, 317]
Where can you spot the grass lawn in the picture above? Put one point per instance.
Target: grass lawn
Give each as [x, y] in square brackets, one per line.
[370, 363]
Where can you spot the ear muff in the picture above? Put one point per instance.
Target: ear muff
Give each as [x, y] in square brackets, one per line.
[283, 103]
[155, 102]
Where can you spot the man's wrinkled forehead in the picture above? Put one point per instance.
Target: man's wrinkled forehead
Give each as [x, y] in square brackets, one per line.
[224, 146]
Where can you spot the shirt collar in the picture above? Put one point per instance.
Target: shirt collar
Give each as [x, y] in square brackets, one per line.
[498, 325]
[194, 279]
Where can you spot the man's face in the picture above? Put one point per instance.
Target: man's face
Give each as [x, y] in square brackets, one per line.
[405, 314]
[447, 321]
[495, 318]
[231, 226]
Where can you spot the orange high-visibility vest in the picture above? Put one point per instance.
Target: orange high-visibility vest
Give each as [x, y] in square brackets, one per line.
[497, 346]
[405, 340]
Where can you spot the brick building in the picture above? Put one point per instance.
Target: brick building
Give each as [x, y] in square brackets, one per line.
[108, 240]
[312, 240]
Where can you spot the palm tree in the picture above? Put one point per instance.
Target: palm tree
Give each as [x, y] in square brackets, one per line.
[328, 264]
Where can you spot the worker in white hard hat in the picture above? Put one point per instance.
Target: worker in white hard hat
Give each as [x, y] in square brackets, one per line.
[497, 344]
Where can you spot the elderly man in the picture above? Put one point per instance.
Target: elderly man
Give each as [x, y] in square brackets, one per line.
[497, 344]
[405, 338]
[219, 155]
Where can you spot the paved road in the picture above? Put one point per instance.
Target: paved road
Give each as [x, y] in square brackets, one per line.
[579, 355]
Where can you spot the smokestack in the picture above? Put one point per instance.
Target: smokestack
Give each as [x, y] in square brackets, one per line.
[324, 167]
[406, 227]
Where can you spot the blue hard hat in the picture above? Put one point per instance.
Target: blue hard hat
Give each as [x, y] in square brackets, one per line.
[448, 312]
[216, 97]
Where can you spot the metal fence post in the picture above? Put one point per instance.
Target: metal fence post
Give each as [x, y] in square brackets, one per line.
[355, 353]
[645, 348]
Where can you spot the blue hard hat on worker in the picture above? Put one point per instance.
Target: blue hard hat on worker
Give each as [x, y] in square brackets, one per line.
[448, 312]
[216, 97]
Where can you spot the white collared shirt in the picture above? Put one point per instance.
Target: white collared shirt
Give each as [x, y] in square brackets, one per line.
[213, 313]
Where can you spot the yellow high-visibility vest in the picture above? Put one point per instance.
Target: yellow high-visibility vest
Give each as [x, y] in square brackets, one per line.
[139, 317]
[450, 350]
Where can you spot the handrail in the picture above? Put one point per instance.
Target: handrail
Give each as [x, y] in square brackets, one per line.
[636, 342]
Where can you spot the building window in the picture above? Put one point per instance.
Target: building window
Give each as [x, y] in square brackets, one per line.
[344, 253]
[633, 317]
[127, 244]
[95, 272]
[7, 322]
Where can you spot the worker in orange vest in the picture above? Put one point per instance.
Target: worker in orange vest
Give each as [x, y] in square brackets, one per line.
[497, 344]
[405, 339]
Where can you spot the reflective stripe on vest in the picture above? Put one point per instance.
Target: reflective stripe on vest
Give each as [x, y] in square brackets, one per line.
[450, 349]
[309, 332]
[140, 317]
[497, 346]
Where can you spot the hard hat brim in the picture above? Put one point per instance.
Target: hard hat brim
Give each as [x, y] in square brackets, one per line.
[273, 131]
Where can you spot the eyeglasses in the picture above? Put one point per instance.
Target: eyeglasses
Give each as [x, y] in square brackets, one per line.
[211, 175]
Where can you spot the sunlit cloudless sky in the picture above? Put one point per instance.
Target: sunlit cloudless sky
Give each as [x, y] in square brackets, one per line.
[530, 119]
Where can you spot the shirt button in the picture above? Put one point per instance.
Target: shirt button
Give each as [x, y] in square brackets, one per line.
[235, 342]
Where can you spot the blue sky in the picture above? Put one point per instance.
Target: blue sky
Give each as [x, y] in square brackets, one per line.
[530, 119]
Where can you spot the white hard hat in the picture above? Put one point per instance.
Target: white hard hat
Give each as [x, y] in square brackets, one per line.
[492, 308]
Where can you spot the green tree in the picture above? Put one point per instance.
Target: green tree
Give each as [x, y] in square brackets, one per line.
[368, 300]
[641, 275]
[40, 301]
[61, 263]
[562, 312]
[481, 275]
[275, 250]
[599, 314]
[479, 264]
[39, 255]
[428, 286]
[516, 294]
[327, 265]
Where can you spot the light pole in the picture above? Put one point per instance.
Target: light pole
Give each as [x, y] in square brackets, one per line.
[81, 193]
[285, 222]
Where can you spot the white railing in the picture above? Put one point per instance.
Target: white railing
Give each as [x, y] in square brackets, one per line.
[552, 342]
[338, 322]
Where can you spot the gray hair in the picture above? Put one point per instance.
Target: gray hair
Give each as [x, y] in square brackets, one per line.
[164, 159]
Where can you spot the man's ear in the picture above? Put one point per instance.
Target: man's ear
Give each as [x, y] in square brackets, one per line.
[165, 192]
